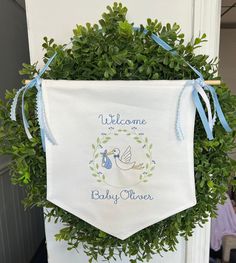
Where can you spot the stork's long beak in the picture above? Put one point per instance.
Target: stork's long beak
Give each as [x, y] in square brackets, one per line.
[110, 152]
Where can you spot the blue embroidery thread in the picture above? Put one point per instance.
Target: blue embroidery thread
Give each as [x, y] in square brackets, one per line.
[106, 161]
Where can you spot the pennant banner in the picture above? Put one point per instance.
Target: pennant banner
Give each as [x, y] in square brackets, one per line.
[118, 163]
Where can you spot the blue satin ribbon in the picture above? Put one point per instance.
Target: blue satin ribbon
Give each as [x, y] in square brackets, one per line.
[216, 103]
[41, 116]
[207, 122]
[44, 128]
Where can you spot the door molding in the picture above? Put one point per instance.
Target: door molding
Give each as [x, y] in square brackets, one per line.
[206, 19]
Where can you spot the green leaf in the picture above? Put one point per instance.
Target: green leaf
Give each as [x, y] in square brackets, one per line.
[210, 184]
[166, 60]
[125, 28]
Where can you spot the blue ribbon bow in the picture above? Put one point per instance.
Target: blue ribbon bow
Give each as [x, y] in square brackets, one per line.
[217, 109]
[41, 117]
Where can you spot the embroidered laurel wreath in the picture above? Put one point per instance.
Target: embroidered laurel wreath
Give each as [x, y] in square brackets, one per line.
[114, 51]
[139, 138]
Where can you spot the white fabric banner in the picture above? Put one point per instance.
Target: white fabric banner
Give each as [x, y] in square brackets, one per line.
[118, 164]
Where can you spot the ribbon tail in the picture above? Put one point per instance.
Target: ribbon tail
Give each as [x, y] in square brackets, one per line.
[14, 104]
[178, 128]
[42, 134]
[41, 118]
[219, 111]
[44, 127]
[202, 114]
[25, 122]
[202, 93]
[15, 100]
[40, 121]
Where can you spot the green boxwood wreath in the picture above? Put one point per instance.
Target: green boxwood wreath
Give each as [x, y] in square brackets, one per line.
[108, 52]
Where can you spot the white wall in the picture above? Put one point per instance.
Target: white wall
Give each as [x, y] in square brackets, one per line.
[57, 18]
[228, 57]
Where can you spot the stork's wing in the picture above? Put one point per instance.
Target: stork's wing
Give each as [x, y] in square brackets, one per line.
[126, 156]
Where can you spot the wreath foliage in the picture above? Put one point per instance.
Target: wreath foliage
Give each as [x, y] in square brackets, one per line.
[109, 51]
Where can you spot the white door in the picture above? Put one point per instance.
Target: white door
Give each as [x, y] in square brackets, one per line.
[57, 18]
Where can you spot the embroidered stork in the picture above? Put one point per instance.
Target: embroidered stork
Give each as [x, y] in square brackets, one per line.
[123, 161]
